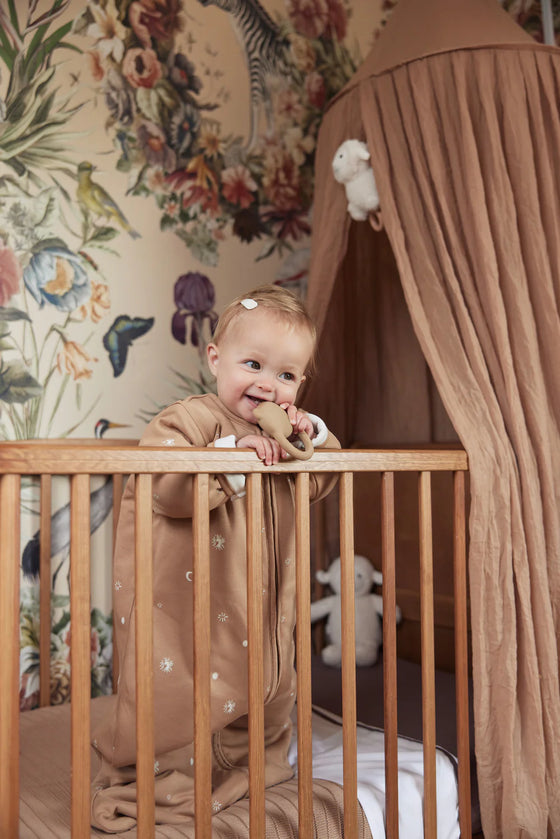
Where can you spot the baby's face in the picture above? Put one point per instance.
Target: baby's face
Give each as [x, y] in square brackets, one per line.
[260, 358]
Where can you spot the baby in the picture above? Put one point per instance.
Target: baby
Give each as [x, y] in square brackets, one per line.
[261, 351]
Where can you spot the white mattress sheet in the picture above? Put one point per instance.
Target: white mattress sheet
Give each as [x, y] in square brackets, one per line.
[328, 764]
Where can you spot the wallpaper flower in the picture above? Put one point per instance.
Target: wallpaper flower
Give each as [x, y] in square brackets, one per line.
[53, 295]
[101, 651]
[54, 217]
[210, 184]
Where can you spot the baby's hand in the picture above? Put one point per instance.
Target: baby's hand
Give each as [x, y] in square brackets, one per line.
[266, 448]
[299, 420]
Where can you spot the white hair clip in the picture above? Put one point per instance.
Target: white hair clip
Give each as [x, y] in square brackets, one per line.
[249, 303]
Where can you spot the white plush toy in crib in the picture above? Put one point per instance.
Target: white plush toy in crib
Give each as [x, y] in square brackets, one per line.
[352, 168]
[369, 608]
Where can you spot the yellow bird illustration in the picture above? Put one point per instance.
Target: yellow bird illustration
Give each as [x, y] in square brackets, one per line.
[94, 199]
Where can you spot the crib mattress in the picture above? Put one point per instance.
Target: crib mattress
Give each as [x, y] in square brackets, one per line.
[45, 785]
[45, 791]
[327, 764]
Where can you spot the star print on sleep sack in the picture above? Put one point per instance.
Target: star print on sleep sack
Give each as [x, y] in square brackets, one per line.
[166, 665]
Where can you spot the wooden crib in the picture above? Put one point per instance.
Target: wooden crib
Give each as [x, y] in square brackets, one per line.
[82, 459]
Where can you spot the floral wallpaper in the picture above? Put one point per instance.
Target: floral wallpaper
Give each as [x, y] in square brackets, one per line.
[156, 158]
[128, 173]
[139, 67]
[208, 181]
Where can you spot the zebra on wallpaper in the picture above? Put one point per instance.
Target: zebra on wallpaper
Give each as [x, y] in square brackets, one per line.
[266, 52]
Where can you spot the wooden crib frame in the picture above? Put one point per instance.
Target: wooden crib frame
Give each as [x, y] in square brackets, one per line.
[82, 459]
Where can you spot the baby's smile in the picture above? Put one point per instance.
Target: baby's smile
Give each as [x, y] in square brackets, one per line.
[256, 400]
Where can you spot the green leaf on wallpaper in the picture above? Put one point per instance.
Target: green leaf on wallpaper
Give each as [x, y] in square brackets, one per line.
[103, 624]
[46, 207]
[61, 624]
[25, 98]
[13, 16]
[17, 384]
[6, 54]
[9, 313]
[8, 50]
[137, 188]
[123, 165]
[45, 108]
[37, 54]
[59, 601]
[5, 340]
[200, 244]
[52, 242]
[103, 234]
[266, 251]
[167, 223]
[158, 102]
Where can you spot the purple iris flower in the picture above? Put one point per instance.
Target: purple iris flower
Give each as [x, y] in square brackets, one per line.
[194, 298]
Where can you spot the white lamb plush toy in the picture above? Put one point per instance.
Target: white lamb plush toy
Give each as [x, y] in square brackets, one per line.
[351, 167]
[369, 608]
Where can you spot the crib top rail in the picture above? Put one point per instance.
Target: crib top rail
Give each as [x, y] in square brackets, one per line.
[95, 457]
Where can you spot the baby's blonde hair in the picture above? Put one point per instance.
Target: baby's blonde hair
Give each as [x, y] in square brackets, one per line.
[282, 302]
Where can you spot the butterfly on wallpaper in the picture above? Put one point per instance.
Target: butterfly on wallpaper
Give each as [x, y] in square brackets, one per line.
[120, 336]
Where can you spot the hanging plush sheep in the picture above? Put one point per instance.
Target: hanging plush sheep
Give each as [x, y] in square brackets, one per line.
[352, 168]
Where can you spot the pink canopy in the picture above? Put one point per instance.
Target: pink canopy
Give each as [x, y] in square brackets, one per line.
[459, 108]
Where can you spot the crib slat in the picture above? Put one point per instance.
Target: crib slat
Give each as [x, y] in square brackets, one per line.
[118, 487]
[428, 654]
[389, 654]
[45, 591]
[319, 562]
[118, 481]
[201, 645]
[256, 664]
[303, 651]
[143, 612]
[80, 614]
[9, 653]
[461, 653]
[349, 718]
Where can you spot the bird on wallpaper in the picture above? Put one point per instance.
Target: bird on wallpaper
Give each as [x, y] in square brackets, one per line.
[94, 199]
[101, 504]
[103, 425]
[120, 336]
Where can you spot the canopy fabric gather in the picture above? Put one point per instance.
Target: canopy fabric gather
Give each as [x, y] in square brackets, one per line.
[459, 109]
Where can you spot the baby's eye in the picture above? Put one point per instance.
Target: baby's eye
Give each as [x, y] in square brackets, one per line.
[253, 365]
[288, 377]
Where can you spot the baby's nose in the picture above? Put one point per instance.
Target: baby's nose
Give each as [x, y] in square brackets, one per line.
[265, 383]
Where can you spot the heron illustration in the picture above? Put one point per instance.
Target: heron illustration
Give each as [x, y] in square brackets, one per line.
[101, 504]
[103, 425]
